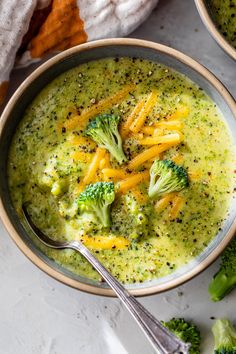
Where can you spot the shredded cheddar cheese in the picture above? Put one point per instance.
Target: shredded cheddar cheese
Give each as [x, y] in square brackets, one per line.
[164, 202]
[140, 120]
[132, 181]
[177, 158]
[148, 154]
[139, 196]
[170, 124]
[81, 140]
[125, 128]
[81, 120]
[182, 112]
[177, 204]
[105, 242]
[81, 156]
[93, 167]
[149, 130]
[194, 175]
[114, 173]
[170, 138]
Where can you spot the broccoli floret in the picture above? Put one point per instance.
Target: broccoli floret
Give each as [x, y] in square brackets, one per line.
[96, 199]
[225, 279]
[225, 337]
[104, 130]
[166, 177]
[187, 332]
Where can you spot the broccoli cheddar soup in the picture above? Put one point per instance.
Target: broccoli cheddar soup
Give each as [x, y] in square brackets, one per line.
[128, 156]
[224, 14]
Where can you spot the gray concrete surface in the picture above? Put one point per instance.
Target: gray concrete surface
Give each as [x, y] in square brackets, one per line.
[38, 315]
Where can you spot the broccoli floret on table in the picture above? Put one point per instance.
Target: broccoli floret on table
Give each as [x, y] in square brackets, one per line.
[104, 131]
[225, 279]
[225, 337]
[97, 199]
[186, 331]
[166, 177]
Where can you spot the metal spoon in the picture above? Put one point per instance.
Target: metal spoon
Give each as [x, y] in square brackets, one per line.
[161, 338]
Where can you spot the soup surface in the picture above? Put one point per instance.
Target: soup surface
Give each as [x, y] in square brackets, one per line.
[224, 14]
[163, 115]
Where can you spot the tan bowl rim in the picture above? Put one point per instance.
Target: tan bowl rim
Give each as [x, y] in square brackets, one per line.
[3, 213]
[210, 25]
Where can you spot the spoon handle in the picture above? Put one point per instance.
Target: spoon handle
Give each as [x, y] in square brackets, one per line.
[161, 338]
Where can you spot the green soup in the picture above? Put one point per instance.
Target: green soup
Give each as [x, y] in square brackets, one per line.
[50, 158]
[224, 14]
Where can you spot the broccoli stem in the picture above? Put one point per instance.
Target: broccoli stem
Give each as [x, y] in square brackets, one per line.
[166, 177]
[222, 283]
[117, 151]
[159, 185]
[104, 215]
[104, 131]
[224, 336]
